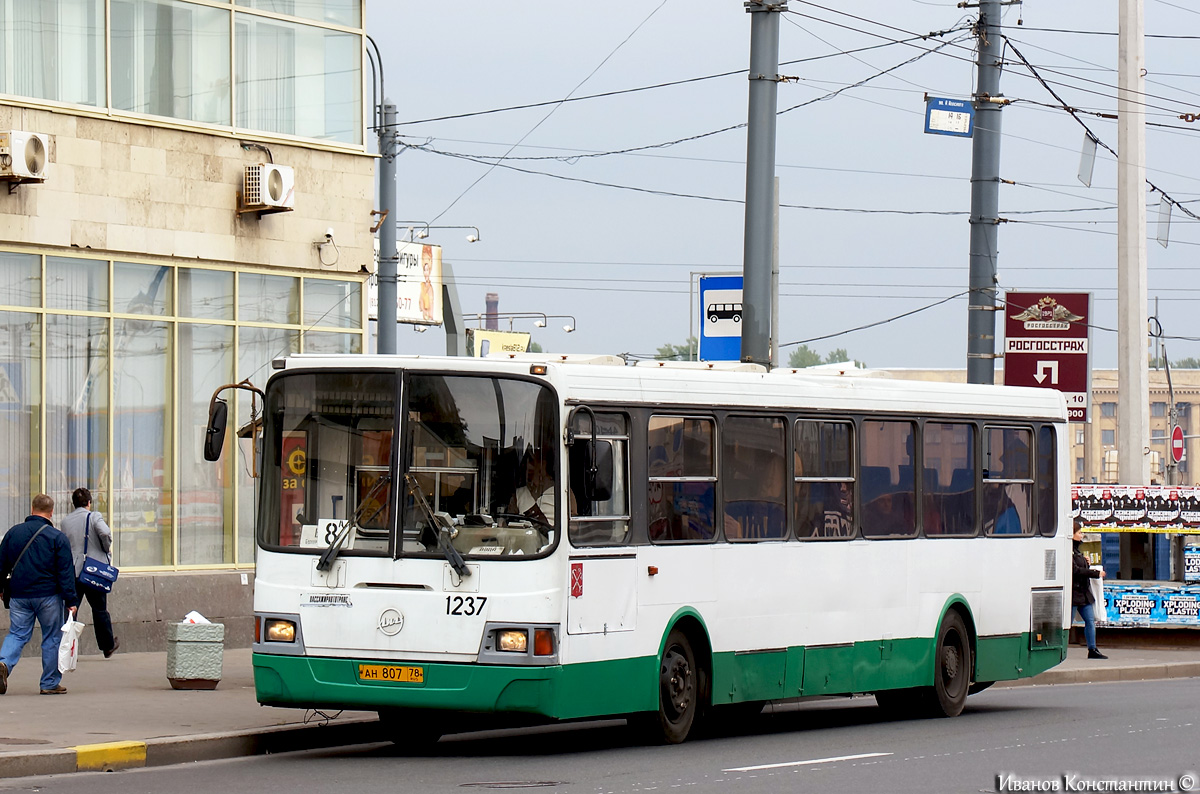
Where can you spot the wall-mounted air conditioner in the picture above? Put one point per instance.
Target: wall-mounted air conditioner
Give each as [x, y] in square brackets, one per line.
[267, 187]
[23, 155]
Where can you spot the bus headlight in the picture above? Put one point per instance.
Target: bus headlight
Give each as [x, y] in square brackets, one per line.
[512, 641]
[280, 630]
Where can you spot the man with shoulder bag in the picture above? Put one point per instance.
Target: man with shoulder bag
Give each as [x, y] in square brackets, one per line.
[42, 583]
[91, 547]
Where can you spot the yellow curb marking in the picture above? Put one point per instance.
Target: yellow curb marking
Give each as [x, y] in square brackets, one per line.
[110, 756]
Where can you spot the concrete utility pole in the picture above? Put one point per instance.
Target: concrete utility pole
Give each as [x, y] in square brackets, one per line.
[760, 180]
[1133, 371]
[985, 200]
[386, 328]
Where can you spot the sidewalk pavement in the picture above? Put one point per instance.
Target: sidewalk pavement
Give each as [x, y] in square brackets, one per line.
[136, 719]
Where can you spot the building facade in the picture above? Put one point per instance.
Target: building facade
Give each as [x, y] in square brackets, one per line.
[203, 206]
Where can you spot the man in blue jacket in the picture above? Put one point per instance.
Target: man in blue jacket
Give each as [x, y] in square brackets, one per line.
[43, 582]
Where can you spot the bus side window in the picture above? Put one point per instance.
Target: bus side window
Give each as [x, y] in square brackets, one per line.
[1007, 482]
[603, 520]
[1047, 482]
[949, 502]
[753, 478]
[887, 512]
[824, 482]
[682, 478]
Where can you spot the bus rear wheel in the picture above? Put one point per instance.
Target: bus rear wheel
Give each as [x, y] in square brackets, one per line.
[679, 687]
[953, 667]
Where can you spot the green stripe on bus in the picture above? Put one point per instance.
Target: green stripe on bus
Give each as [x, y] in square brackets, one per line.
[621, 686]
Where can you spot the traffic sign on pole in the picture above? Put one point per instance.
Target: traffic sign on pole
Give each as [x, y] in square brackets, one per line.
[1177, 443]
[1046, 345]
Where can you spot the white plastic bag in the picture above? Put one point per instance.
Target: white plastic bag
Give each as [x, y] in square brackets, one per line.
[1099, 611]
[195, 617]
[68, 647]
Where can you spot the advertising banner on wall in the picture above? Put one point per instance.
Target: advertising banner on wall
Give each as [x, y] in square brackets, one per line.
[1172, 509]
[1139, 605]
[418, 285]
[481, 342]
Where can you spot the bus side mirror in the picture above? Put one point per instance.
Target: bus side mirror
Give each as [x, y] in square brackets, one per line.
[600, 483]
[214, 434]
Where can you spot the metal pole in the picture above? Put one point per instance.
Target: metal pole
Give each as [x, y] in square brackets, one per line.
[387, 329]
[1133, 376]
[452, 319]
[985, 201]
[775, 284]
[760, 180]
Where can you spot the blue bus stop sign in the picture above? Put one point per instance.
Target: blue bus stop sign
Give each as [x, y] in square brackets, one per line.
[720, 318]
[949, 116]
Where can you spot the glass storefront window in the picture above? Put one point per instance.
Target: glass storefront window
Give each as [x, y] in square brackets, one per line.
[298, 79]
[20, 279]
[53, 49]
[142, 289]
[127, 386]
[206, 530]
[205, 294]
[336, 304]
[335, 12]
[76, 284]
[171, 59]
[142, 511]
[77, 414]
[20, 398]
[332, 344]
[268, 299]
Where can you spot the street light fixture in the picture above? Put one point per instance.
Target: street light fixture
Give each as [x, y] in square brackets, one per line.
[421, 234]
[540, 320]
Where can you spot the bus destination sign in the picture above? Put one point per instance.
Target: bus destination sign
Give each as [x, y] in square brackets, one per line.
[1046, 338]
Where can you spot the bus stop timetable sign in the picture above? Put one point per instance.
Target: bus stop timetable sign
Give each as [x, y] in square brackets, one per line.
[1046, 345]
[949, 116]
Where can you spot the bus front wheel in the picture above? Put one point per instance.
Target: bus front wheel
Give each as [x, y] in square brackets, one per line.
[678, 688]
[952, 674]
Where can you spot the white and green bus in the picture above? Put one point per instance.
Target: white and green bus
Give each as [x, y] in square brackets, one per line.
[554, 538]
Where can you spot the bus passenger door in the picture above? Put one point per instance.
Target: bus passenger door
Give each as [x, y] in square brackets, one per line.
[602, 593]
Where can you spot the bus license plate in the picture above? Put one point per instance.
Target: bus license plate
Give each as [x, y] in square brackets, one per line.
[391, 672]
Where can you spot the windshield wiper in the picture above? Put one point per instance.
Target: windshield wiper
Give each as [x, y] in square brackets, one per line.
[335, 546]
[439, 523]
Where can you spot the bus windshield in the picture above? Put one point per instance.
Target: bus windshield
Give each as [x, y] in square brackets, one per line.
[474, 467]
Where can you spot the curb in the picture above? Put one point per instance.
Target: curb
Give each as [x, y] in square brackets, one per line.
[113, 756]
[1098, 675]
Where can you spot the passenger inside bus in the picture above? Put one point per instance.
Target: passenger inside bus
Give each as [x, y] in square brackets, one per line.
[535, 498]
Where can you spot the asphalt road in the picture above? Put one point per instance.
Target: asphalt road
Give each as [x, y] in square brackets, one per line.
[1045, 736]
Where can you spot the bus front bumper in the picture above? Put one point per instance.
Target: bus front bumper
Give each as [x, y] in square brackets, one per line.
[335, 683]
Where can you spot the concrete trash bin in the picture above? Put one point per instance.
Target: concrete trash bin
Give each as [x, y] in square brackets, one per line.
[194, 655]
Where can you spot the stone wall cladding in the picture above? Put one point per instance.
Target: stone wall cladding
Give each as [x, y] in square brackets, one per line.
[119, 187]
[143, 605]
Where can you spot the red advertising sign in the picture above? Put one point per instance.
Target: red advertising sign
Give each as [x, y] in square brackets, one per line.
[1046, 339]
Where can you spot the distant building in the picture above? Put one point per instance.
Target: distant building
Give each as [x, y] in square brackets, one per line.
[1094, 444]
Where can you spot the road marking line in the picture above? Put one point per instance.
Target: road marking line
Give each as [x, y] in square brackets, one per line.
[110, 756]
[805, 763]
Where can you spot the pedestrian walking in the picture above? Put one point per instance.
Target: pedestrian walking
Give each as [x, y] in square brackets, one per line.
[42, 589]
[90, 537]
[1082, 599]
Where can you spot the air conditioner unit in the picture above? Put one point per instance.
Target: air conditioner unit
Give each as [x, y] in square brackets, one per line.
[23, 155]
[267, 187]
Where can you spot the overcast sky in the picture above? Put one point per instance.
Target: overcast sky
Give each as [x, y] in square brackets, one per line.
[620, 258]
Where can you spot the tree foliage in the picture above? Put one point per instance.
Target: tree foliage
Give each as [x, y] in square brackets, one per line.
[684, 352]
[805, 356]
